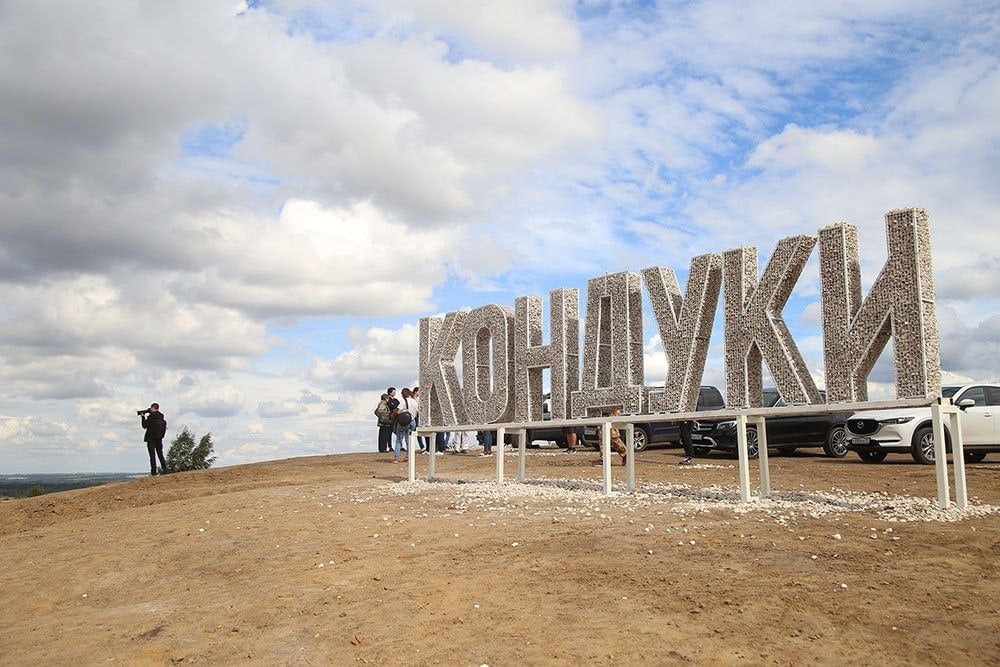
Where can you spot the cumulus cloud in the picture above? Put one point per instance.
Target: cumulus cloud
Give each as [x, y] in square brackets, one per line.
[274, 409]
[222, 401]
[380, 358]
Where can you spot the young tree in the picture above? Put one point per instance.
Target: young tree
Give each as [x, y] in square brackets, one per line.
[201, 457]
[185, 455]
[179, 455]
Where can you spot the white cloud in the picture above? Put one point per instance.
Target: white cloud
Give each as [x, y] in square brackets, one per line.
[380, 358]
[221, 401]
[273, 409]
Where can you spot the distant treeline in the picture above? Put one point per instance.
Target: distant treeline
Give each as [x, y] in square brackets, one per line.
[24, 486]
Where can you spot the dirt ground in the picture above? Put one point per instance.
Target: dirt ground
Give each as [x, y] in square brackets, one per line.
[329, 560]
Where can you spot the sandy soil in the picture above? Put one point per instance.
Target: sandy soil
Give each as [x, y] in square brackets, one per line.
[329, 560]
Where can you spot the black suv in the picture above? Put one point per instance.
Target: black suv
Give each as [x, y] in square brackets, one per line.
[547, 433]
[786, 434]
[668, 433]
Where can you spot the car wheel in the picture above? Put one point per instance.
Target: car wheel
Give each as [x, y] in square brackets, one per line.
[786, 451]
[640, 439]
[836, 442]
[701, 451]
[975, 456]
[873, 457]
[753, 445]
[922, 446]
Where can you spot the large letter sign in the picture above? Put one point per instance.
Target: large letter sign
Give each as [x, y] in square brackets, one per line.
[612, 346]
[440, 338]
[685, 329]
[754, 328]
[503, 358]
[488, 364]
[562, 355]
[900, 304]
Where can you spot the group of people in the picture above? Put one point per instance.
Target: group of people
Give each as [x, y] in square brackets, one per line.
[399, 417]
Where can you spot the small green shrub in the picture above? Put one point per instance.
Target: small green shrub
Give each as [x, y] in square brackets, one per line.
[185, 455]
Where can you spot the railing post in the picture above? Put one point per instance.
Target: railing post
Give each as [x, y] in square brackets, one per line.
[630, 457]
[522, 444]
[498, 453]
[762, 459]
[606, 456]
[940, 456]
[431, 456]
[958, 456]
[741, 450]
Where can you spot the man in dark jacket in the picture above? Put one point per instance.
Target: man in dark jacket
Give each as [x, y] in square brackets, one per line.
[156, 428]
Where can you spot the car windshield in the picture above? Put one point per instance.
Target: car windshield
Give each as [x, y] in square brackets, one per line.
[948, 392]
[770, 397]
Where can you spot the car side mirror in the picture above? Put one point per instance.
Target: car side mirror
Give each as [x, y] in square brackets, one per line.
[966, 403]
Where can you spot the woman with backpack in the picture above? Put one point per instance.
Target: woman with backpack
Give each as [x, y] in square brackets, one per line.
[403, 423]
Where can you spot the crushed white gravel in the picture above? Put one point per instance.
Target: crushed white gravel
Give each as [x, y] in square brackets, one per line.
[586, 498]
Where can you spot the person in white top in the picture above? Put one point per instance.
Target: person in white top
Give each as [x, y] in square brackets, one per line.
[407, 407]
[422, 440]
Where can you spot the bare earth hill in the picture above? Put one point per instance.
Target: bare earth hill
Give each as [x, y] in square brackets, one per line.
[331, 560]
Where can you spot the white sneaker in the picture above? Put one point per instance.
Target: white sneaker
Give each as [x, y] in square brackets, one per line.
[438, 453]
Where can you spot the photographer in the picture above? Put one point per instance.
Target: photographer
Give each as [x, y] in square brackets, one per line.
[156, 428]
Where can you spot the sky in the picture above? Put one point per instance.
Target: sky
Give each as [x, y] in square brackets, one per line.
[241, 210]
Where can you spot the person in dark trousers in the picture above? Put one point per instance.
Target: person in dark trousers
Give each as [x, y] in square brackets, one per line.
[156, 428]
[423, 441]
[685, 429]
[384, 425]
[488, 443]
[574, 434]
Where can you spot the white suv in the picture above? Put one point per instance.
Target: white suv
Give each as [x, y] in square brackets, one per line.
[873, 435]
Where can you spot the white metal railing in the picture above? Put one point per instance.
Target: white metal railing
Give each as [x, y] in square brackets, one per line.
[941, 408]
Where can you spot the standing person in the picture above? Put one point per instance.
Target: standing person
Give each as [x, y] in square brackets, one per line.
[573, 435]
[616, 441]
[460, 441]
[156, 428]
[685, 429]
[423, 441]
[403, 425]
[392, 401]
[441, 440]
[488, 443]
[384, 425]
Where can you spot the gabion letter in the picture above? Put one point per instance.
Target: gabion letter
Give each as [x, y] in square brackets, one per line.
[754, 328]
[440, 338]
[562, 355]
[900, 304]
[685, 328]
[487, 378]
[612, 352]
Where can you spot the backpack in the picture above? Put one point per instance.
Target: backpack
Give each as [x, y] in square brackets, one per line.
[403, 416]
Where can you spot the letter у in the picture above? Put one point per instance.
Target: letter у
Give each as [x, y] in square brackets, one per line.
[440, 338]
[900, 304]
[754, 327]
[488, 364]
[562, 355]
[685, 328]
[612, 355]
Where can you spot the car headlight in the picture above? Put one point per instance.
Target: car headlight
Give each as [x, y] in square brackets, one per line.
[726, 426]
[895, 420]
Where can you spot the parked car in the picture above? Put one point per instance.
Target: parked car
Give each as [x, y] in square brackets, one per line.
[547, 433]
[668, 433]
[786, 434]
[878, 433]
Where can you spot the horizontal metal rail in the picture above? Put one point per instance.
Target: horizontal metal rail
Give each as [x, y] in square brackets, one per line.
[703, 415]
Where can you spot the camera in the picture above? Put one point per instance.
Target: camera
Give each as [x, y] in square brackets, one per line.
[142, 412]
